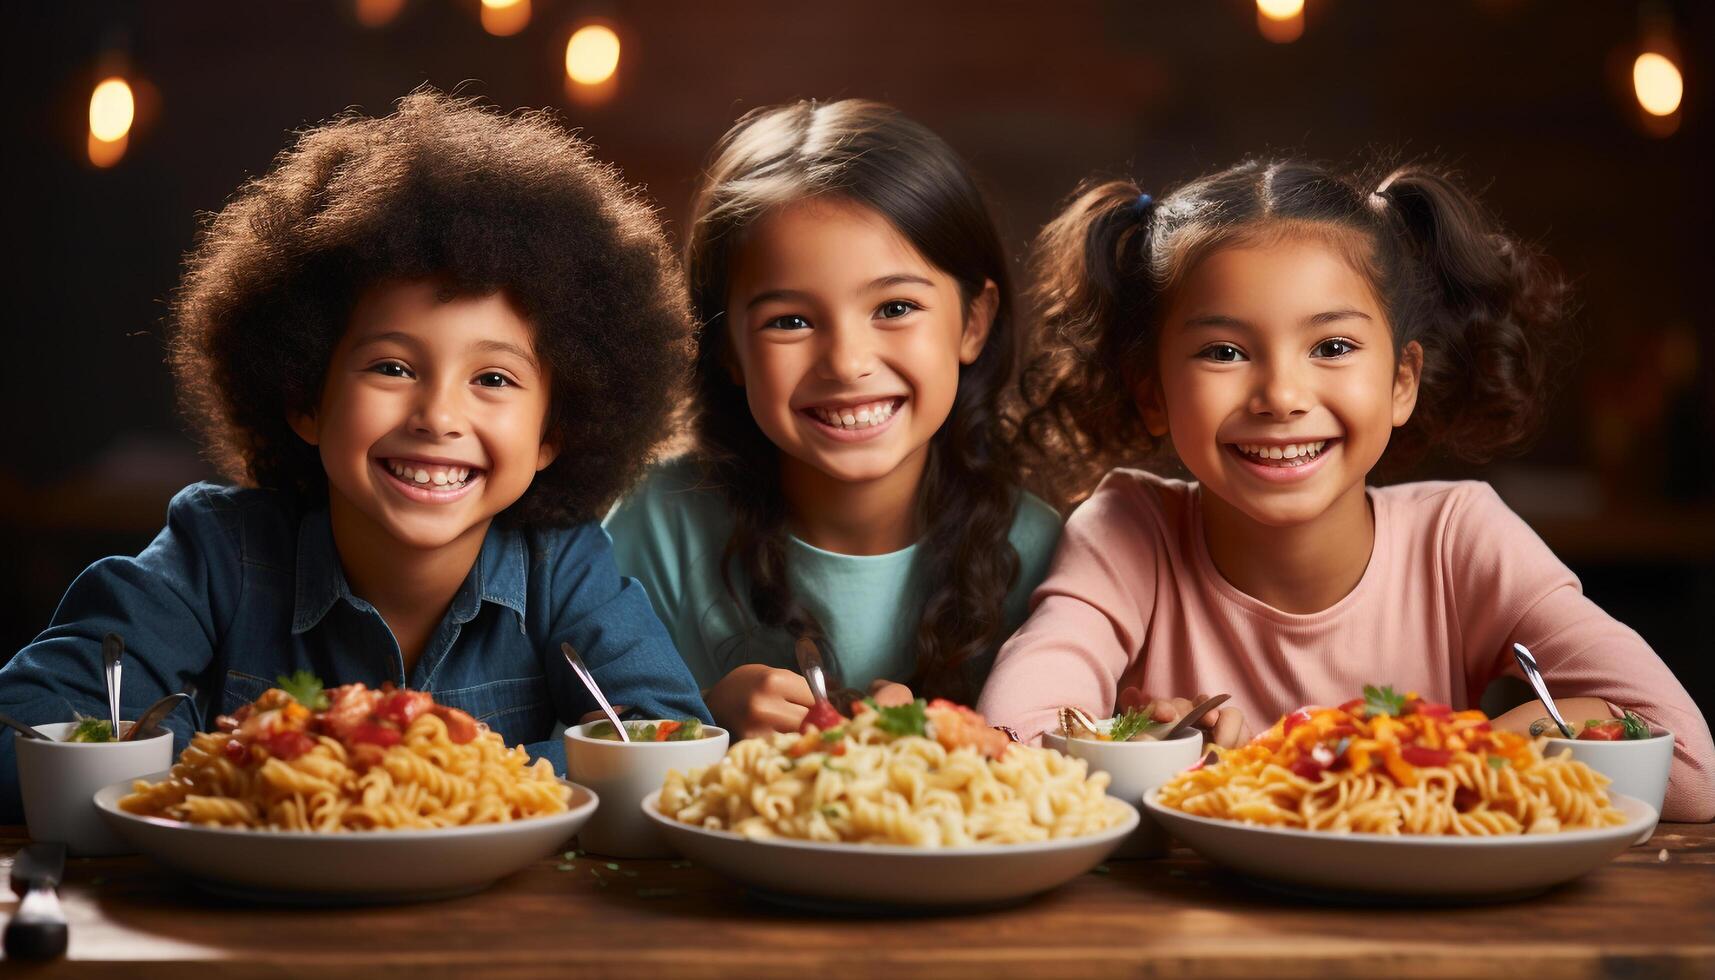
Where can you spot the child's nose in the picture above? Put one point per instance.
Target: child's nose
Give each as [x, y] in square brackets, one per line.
[848, 353]
[1281, 393]
[437, 413]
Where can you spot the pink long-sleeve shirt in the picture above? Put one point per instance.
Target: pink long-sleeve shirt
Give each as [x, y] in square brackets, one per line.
[1455, 578]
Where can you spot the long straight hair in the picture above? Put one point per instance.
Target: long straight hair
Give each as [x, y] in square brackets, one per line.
[871, 155]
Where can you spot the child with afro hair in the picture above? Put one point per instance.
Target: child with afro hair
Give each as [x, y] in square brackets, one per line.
[429, 349]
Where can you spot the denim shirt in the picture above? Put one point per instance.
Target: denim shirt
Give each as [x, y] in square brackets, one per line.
[238, 589]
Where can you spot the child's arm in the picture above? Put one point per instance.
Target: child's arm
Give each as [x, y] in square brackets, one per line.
[608, 619]
[1514, 590]
[1087, 621]
[163, 603]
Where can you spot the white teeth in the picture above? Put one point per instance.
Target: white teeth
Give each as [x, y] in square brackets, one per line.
[440, 478]
[855, 417]
[1294, 451]
[450, 478]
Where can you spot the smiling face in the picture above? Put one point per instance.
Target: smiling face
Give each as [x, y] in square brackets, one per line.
[1278, 382]
[847, 341]
[431, 417]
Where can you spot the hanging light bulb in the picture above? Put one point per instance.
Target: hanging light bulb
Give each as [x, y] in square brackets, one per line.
[503, 18]
[1658, 83]
[377, 13]
[1280, 21]
[592, 55]
[112, 109]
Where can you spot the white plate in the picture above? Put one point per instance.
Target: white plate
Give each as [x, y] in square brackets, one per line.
[371, 866]
[891, 875]
[1405, 867]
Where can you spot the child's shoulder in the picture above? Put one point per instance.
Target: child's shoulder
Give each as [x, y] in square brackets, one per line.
[675, 500]
[1131, 496]
[1436, 502]
[260, 523]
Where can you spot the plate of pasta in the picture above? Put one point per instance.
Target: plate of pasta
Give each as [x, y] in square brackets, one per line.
[1395, 796]
[919, 806]
[353, 794]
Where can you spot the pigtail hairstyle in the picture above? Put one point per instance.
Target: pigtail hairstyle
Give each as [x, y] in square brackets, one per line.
[1482, 305]
[871, 155]
[1093, 271]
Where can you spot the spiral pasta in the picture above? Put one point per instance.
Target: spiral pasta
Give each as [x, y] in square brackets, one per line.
[1422, 769]
[301, 772]
[864, 784]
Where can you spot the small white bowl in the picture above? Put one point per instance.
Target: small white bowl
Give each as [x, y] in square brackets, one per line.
[1135, 768]
[622, 774]
[58, 781]
[1638, 767]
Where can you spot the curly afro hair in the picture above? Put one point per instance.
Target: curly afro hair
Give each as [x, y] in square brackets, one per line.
[448, 191]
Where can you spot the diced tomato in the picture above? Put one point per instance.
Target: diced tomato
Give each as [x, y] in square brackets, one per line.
[402, 707]
[1608, 731]
[665, 729]
[1464, 798]
[1432, 709]
[286, 745]
[1291, 721]
[1307, 767]
[374, 733]
[236, 751]
[822, 716]
[1418, 755]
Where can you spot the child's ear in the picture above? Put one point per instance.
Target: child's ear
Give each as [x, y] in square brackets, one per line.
[729, 359]
[549, 451]
[979, 320]
[306, 426]
[1151, 406]
[1405, 382]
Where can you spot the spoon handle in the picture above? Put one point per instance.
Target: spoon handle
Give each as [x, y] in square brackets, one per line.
[22, 729]
[584, 675]
[1527, 663]
[151, 719]
[112, 666]
[1195, 715]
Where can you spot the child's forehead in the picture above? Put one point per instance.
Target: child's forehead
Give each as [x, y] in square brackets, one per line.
[827, 239]
[1277, 274]
[429, 314]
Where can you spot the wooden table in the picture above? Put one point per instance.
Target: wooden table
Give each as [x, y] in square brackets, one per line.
[1641, 916]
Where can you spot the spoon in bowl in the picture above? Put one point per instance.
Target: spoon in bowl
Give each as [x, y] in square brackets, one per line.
[1195, 715]
[584, 675]
[112, 666]
[1527, 663]
[23, 730]
[151, 719]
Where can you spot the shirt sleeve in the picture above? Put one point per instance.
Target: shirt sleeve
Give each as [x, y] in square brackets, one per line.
[162, 603]
[608, 619]
[1088, 617]
[1512, 589]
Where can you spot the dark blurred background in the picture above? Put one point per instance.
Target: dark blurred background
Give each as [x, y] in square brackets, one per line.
[1535, 101]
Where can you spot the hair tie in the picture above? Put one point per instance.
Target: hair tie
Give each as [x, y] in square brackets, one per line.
[1141, 205]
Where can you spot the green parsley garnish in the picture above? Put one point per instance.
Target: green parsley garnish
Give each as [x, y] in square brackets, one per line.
[1497, 762]
[1383, 701]
[834, 734]
[1635, 727]
[1131, 724]
[907, 719]
[91, 730]
[305, 688]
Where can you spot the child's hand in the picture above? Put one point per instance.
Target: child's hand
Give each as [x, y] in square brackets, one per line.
[758, 700]
[887, 694]
[1222, 726]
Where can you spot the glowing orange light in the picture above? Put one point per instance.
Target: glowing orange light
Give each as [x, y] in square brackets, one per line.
[112, 108]
[503, 18]
[1280, 21]
[1658, 84]
[375, 13]
[592, 55]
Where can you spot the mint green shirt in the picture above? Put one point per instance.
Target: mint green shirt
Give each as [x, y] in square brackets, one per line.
[670, 534]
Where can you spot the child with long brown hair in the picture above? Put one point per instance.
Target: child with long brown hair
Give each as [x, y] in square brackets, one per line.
[851, 482]
[1286, 327]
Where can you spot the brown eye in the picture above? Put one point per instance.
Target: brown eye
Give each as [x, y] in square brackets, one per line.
[1222, 353]
[1334, 347]
[894, 309]
[391, 369]
[493, 379]
[790, 321]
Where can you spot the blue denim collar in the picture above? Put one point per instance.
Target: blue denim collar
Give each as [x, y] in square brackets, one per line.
[499, 575]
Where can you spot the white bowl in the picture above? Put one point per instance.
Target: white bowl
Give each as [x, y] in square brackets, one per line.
[1432, 868]
[57, 779]
[622, 774]
[1638, 767]
[890, 875]
[303, 867]
[1135, 768]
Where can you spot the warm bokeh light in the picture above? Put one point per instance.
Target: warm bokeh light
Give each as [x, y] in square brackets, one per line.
[1659, 85]
[1280, 9]
[592, 55]
[111, 110]
[503, 18]
[1280, 21]
[106, 153]
[375, 13]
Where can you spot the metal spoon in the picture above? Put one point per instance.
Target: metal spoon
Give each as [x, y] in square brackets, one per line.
[810, 664]
[584, 675]
[1195, 715]
[151, 719]
[1527, 663]
[112, 665]
[22, 729]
